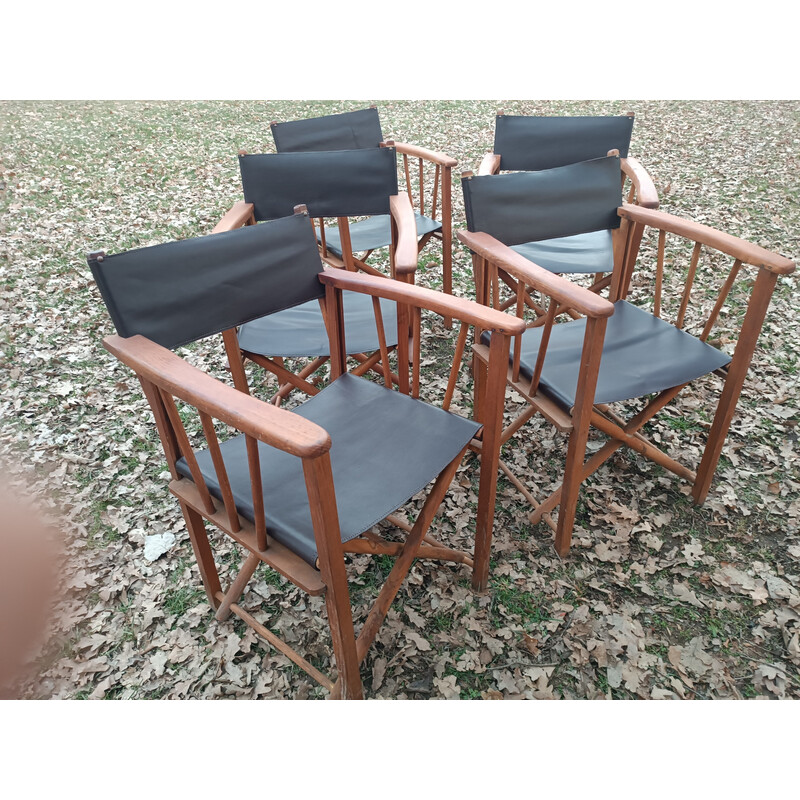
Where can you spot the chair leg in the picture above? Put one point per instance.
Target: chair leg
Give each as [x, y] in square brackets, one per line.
[737, 371]
[491, 391]
[203, 554]
[480, 373]
[324, 518]
[581, 417]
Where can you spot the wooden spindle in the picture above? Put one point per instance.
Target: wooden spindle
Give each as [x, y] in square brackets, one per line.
[455, 369]
[408, 179]
[662, 238]
[165, 431]
[548, 327]
[689, 281]
[723, 296]
[435, 196]
[235, 360]
[421, 188]
[387, 372]
[186, 450]
[416, 335]
[219, 468]
[344, 240]
[256, 489]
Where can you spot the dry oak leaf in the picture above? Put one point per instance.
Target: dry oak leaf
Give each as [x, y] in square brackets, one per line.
[741, 583]
[448, 687]
[771, 677]
[378, 673]
[686, 594]
[415, 638]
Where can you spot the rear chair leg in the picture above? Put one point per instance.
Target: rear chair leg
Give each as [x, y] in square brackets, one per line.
[203, 554]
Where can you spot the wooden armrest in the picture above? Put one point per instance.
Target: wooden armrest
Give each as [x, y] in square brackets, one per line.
[490, 164]
[441, 159]
[267, 423]
[561, 289]
[731, 245]
[646, 193]
[240, 214]
[445, 305]
[406, 255]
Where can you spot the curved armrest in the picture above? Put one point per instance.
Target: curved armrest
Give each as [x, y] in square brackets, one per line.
[561, 289]
[267, 423]
[441, 159]
[490, 164]
[240, 214]
[731, 245]
[406, 255]
[445, 305]
[646, 193]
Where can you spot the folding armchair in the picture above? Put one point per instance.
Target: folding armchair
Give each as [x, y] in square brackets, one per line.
[297, 490]
[573, 372]
[533, 143]
[329, 184]
[432, 199]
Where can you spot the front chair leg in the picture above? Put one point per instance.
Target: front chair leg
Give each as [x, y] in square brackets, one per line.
[325, 519]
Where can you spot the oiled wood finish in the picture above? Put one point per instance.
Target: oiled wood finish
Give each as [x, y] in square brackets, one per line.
[325, 519]
[165, 377]
[496, 266]
[581, 416]
[276, 555]
[442, 159]
[643, 190]
[440, 210]
[564, 291]
[268, 424]
[491, 409]
[747, 252]
[240, 214]
[490, 164]
[421, 297]
[405, 250]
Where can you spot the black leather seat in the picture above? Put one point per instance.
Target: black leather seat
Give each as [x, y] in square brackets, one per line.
[386, 447]
[374, 232]
[642, 354]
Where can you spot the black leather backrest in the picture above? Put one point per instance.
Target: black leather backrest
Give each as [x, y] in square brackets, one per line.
[531, 143]
[179, 292]
[341, 183]
[352, 130]
[523, 207]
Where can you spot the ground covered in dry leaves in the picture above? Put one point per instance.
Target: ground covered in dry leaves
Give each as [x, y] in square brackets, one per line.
[657, 599]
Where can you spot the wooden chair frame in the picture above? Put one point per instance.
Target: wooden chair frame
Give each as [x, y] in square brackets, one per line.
[432, 172]
[164, 376]
[641, 192]
[494, 260]
[403, 260]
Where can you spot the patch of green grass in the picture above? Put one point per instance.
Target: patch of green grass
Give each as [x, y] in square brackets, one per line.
[681, 424]
[516, 601]
[748, 691]
[179, 601]
[660, 650]
[442, 621]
